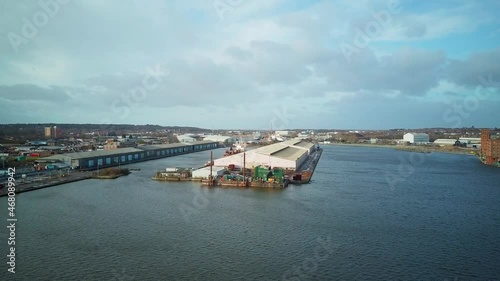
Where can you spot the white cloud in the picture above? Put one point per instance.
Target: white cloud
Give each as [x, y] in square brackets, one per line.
[263, 55]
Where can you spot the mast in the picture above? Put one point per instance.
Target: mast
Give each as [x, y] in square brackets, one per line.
[244, 168]
[211, 157]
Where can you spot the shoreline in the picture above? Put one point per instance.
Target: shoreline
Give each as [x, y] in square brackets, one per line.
[26, 187]
[89, 175]
[419, 149]
[55, 182]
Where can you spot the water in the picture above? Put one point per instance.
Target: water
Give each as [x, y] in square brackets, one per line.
[439, 220]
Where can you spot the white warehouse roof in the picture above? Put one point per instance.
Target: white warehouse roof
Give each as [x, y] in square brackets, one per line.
[289, 155]
[205, 172]
[445, 141]
[217, 138]
[418, 134]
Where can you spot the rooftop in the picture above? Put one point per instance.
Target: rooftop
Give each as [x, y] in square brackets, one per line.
[97, 153]
[289, 153]
[419, 134]
[293, 141]
[272, 148]
[304, 144]
[162, 146]
[172, 145]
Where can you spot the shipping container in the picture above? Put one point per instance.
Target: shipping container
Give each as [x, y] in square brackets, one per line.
[21, 158]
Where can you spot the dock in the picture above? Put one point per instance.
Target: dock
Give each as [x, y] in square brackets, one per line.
[273, 166]
[30, 184]
[35, 185]
[306, 170]
[266, 171]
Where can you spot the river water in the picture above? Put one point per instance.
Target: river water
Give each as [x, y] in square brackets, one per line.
[369, 214]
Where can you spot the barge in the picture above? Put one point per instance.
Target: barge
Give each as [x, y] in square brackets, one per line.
[271, 166]
[174, 174]
[306, 171]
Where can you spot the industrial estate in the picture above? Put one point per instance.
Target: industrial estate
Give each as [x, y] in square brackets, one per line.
[92, 160]
[251, 158]
[275, 165]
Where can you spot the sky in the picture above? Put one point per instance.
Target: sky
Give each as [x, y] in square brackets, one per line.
[248, 64]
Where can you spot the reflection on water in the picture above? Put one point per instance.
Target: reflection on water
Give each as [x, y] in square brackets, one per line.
[441, 221]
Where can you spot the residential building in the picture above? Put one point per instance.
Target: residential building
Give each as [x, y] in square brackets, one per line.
[490, 148]
[111, 144]
[219, 138]
[48, 132]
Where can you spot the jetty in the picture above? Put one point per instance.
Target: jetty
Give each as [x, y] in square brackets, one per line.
[273, 166]
[23, 185]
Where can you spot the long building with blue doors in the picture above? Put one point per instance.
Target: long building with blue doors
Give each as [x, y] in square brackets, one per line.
[92, 160]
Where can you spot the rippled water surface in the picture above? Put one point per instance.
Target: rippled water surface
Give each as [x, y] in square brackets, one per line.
[369, 214]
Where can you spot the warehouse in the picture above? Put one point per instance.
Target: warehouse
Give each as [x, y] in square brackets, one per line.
[287, 155]
[121, 156]
[442, 142]
[97, 159]
[470, 140]
[187, 138]
[218, 138]
[164, 150]
[416, 138]
[204, 173]
[301, 144]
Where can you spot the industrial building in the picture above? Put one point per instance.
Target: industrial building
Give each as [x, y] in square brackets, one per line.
[218, 138]
[187, 138]
[204, 173]
[443, 142]
[416, 138]
[287, 155]
[490, 148]
[282, 133]
[470, 140]
[108, 158]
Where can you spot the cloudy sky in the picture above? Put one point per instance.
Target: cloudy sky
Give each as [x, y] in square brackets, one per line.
[252, 64]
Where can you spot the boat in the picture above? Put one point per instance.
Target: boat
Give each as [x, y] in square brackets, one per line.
[238, 148]
[305, 172]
